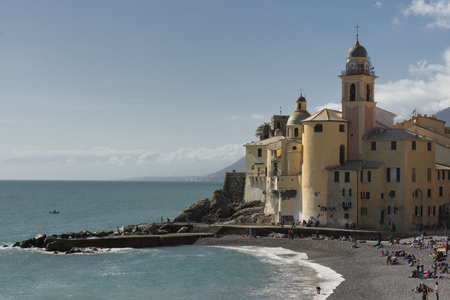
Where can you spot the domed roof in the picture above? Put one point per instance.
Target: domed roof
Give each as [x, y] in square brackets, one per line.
[357, 50]
[297, 117]
[301, 98]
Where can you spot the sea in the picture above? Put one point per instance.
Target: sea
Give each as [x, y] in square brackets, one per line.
[180, 272]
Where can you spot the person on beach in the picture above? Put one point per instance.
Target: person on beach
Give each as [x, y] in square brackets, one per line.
[318, 289]
[436, 290]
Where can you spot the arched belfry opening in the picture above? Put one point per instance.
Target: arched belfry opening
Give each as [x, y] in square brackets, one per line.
[352, 92]
[368, 92]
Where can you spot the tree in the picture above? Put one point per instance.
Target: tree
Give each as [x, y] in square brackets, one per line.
[260, 130]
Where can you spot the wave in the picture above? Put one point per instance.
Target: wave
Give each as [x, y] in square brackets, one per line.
[295, 273]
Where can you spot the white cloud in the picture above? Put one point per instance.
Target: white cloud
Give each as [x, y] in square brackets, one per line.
[330, 105]
[378, 4]
[438, 10]
[428, 91]
[108, 156]
[257, 117]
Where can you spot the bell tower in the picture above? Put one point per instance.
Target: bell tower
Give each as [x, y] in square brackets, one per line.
[358, 105]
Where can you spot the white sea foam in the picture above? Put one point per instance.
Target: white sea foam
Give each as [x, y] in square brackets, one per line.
[296, 274]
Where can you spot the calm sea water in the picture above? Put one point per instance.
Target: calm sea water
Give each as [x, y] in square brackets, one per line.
[182, 272]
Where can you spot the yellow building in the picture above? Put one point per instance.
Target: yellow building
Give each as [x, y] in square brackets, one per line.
[355, 166]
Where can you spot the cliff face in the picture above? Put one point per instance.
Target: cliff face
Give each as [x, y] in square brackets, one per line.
[226, 205]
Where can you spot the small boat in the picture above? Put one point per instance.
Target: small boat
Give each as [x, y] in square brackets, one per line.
[53, 212]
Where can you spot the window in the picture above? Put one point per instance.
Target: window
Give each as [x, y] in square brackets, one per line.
[429, 146]
[382, 195]
[365, 195]
[393, 145]
[336, 176]
[368, 92]
[429, 174]
[363, 211]
[346, 216]
[440, 175]
[296, 132]
[346, 192]
[373, 146]
[389, 210]
[259, 152]
[429, 193]
[392, 194]
[318, 128]
[341, 128]
[441, 192]
[431, 210]
[253, 167]
[393, 175]
[413, 145]
[413, 174]
[418, 211]
[352, 92]
[347, 176]
[366, 176]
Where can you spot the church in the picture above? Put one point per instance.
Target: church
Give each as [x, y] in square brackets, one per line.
[353, 166]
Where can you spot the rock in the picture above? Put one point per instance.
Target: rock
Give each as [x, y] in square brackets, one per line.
[148, 228]
[217, 207]
[27, 243]
[57, 246]
[67, 235]
[100, 234]
[4, 246]
[277, 235]
[183, 229]
[40, 237]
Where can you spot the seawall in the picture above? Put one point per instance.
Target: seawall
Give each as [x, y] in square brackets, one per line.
[200, 231]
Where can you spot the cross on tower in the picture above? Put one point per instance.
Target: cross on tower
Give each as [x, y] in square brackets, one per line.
[357, 27]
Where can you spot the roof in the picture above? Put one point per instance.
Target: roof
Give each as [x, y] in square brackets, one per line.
[442, 167]
[357, 50]
[357, 165]
[297, 117]
[326, 115]
[266, 142]
[380, 134]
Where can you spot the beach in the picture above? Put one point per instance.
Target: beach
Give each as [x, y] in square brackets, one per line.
[366, 274]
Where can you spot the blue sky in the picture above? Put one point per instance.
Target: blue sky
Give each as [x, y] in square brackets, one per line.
[101, 90]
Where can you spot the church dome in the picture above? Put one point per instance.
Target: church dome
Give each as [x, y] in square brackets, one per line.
[357, 51]
[297, 117]
[300, 113]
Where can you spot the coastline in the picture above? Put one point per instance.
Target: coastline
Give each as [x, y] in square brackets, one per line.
[366, 274]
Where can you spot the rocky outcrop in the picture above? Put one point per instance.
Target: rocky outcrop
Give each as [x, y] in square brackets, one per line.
[48, 243]
[222, 209]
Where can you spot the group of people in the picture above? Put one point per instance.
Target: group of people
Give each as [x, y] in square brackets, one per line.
[424, 289]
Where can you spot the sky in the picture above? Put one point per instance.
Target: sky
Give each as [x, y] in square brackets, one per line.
[107, 90]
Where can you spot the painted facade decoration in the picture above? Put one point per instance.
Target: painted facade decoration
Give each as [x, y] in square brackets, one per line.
[353, 166]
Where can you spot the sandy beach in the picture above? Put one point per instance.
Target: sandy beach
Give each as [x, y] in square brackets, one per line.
[366, 274]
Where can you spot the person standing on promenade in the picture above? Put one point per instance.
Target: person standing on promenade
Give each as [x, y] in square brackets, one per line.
[436, 290]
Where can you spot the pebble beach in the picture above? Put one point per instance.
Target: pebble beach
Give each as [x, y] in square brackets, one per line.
[366, 274]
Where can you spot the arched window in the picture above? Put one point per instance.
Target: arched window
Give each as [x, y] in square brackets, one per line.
[342, 154]
[368, 92]
[296, 132]
[318, 128]
[352, 92]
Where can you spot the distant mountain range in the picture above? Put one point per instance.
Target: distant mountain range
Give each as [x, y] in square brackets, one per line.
[218, 176]
[239, 166]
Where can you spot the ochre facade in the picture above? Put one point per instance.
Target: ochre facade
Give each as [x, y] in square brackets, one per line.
[353, 166]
